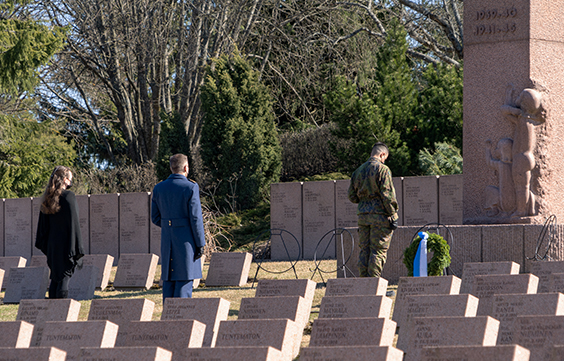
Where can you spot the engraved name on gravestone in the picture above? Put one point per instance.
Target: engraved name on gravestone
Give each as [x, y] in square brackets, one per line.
[247, 353]
[384, 353]
[420, 200]
[17, 227]
[446, 331]
[83, 202]
[134, 219]
[556, 282]
[147, 353]
[37, 312]
[506, 308]
[173, 335]
[345, 210]
[136, 271]
[6, 263]
[444, 353]
[450, 199]
[486, 286]
[352, 332]
[104, 230]
[286, 287]
[295, 308]
[121, 311]
[543, 270]
[286, 214]
[16, 334]
[364, 286]
[83, 283]
[229, 269]
[410, 286]
[539, 334]
[33, 353]
[104, 264]
[209, 311]
[435, 305]
[355, 306]
[26, 283]
[472, 269]
[318, 219]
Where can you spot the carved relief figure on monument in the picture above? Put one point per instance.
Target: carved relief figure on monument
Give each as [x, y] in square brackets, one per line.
[500, 198]
[526, 112]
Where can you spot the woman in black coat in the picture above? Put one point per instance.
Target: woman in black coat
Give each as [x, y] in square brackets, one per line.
[58, 231]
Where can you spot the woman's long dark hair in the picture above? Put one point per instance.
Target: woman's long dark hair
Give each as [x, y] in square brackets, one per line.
[55, 187]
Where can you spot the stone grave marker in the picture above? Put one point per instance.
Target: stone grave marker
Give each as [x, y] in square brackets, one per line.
[450, 331]
[486, 286]
[475, 353]
[556, 282]
[352, 332]
[33, 353]
[26, 283]
[363, 286]
[281, 334]
[398, 186]
[318, 218]
[295, 308]
[134, 219]
[16, 334]
[121, 311]
[6, 263]
[83, 283]
[247, 353]
[450, 199]
[172, 335]
[136, 270]
[72, 336]
[37, 312]
[286, 287]
[286, 213]
[355, 306]
[557, 353]
[209, 311]
[506, 308]
[347, 256]
[17, 227]
[471, 269]
[411, 286]
[104, 228]
[420, 200]
[104, 264]
[38, 261]
[345, 210]
[464, 305]
[229, 269]
[147, 353]
[329, 353]
[83, 202]
[543, 270]
[539, 334]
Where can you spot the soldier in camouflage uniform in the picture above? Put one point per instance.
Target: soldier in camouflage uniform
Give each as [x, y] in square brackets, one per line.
[372, 188]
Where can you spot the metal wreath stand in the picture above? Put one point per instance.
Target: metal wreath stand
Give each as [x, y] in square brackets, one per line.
[334, 233]
[548, 228]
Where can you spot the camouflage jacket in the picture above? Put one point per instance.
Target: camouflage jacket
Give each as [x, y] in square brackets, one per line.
[372, 188]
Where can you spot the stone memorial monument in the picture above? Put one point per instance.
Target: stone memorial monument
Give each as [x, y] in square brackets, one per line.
[539, 334]
[327, 353]
[286, 287]
[6, 263]
[104, 227]
[103, 262]
[84, 220]
[33, 353]
[134, 219]
[26, 283]
[136, 270]
[450, 199]
[318, 218]
[83, 283]
[472, 269]
[140, 353]
[173, 335]
[355, 306]
[286, 214]
[17, 227]
[420, 200]
[364, 286]
[295, 308]
[247, 353]
[229, 269]
[508, 353]
[16, 334]
[486, 287]
[345, 210]
[121, 311]
[352, 332]
[543, 270]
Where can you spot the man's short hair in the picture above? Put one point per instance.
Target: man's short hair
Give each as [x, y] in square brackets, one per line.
[177, 163]
[379, 148]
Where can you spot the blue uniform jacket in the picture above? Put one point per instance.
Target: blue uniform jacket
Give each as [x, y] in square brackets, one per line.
[176, 208]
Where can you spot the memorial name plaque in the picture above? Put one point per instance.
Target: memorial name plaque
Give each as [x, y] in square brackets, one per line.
[318, 219]
[475, 353]
[543, 270]
[104, 228]
[173, 335]
[435, 305]
[286, 214]
[355, 306]
[229, 269]
[26, 283]
[209, 311]
[17, 227]
[364, 286]
[136, 270]
[72, 336]
[121, 311]
[83, 202]
[134, 219]
[539, 334]
[450, 199]
[486, 286]
[16, 334]
[104, 264]
[556, 282]
[411, 286]
[10, 262]
[420, 200]
[83, 283]
[450, 331]
[557, 353]
[38, 261]
[147, 353]
[247, 353]
[345, 210]
[352, 332]
[33, 353]
[330, 353]
[286, 287]
[295, 308]
[506, 308]
[471, 269]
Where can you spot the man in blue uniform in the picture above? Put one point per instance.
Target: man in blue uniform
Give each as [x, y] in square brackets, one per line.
[177, 210]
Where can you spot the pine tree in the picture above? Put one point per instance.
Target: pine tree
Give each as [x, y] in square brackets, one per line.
[239, 145]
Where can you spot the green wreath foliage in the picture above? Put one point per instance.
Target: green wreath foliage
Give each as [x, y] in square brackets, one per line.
[441, 255]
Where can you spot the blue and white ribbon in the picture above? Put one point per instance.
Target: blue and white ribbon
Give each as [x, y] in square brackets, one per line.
[420, 262]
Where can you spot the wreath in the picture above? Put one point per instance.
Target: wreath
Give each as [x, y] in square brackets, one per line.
[441, 255]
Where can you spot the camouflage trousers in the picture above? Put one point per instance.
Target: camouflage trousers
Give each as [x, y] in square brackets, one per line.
[375, 236]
